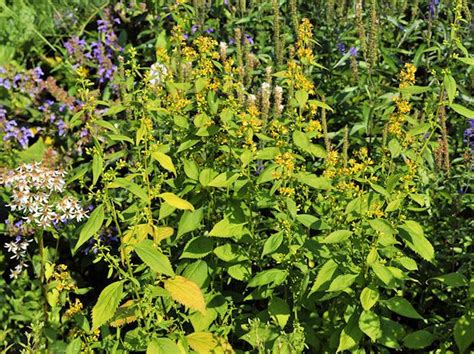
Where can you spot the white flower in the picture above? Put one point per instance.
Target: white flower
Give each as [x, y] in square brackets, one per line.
[157, 73]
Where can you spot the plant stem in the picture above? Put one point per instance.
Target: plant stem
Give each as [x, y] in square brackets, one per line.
[42, 275]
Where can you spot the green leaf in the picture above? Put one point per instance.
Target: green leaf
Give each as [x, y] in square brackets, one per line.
[198, 247]
[382, 226]
[270, 276]
[301, 97]
[91, 227]
[418, 340]
[279, 310]
[191, 169]
[153, 258]
[74, 346]
[412, 233]
[342, 282]
[369, 323]
[468, 61]
[33, 153]
[130, 186]
[272, 243]
[107, 304]
[114, 110]
[164, 160]
[450, 85]
[463, 330]
[452, 279]
[466, 112]
[162, 346]
[369, 297]
[337, 236]
[325, 274]
[384, 274]
[313, 181]
[415, 90]
[225, 228]
[175, 201]
[190, 221]
[350, 335]
[97, 167]
[401, 306]
[392, 332]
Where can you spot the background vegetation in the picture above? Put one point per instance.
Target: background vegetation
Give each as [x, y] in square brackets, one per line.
[236, 176]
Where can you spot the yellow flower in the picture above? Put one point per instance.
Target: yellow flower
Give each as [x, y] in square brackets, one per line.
[407, 75]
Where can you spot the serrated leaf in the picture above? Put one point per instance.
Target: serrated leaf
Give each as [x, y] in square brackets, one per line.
[279, 310]
[272, 243]
[401, 306]
[369, 297]
[412, 233]
[463, 330]
[186, 292]
[198, 247]
[162, 346]
[92, 226]
[369, 323]
[202, 342]
[350, 335]
[164, 160]
[153, 258]
[337, 236]
[175, 201]
[325, 274]
[270, 276]
[342, 282]
[313, 181]
[418, 340]
[384, 274]
[382, 226]
[107, 304]
[191, 169]
[190, 221]
[225, 228]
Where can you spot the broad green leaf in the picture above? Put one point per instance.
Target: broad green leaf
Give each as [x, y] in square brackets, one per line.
[382, 226]
[74, 346]
[175, 201]
[394, 147]
[342, 282]
[153, 258]
[272, 243]
[384, 274]
[401, 306]
[463, 330]
[97, 167]
[450, 85]
[198, 247]
[407, 263]
[225, 228]
[369, 297]
[468, 61]
[412, 233]
[313, 181]
[271, 276]
[130, 186]
[452, 279]
[279, 310]
[92, 226]
[114, 110]
[325, 274]
[33, 153]
[415, 90]
[301, 97]
[350, 335]
[466, 112]
[186, 292]
[164, 160]
[392, 332]
[191, 169]
[369, 323]
[190, 221]
[337, 236]
[203, 342]
[418, 340]
[162, 346]
[230, 252]
[198, 272]
[107, 304]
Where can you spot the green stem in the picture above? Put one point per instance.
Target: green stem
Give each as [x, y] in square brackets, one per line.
[42, 275]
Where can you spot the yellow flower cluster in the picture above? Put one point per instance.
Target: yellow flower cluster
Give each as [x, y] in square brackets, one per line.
[73, 309]
[407, 75]
[375, 210]
[206, 45]
[332, 158]
[277, 129]
[286, 191]
[403, 106]
[287, 161]
[314, 126]
[305, 32]
[64, 279]
[301, 82]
